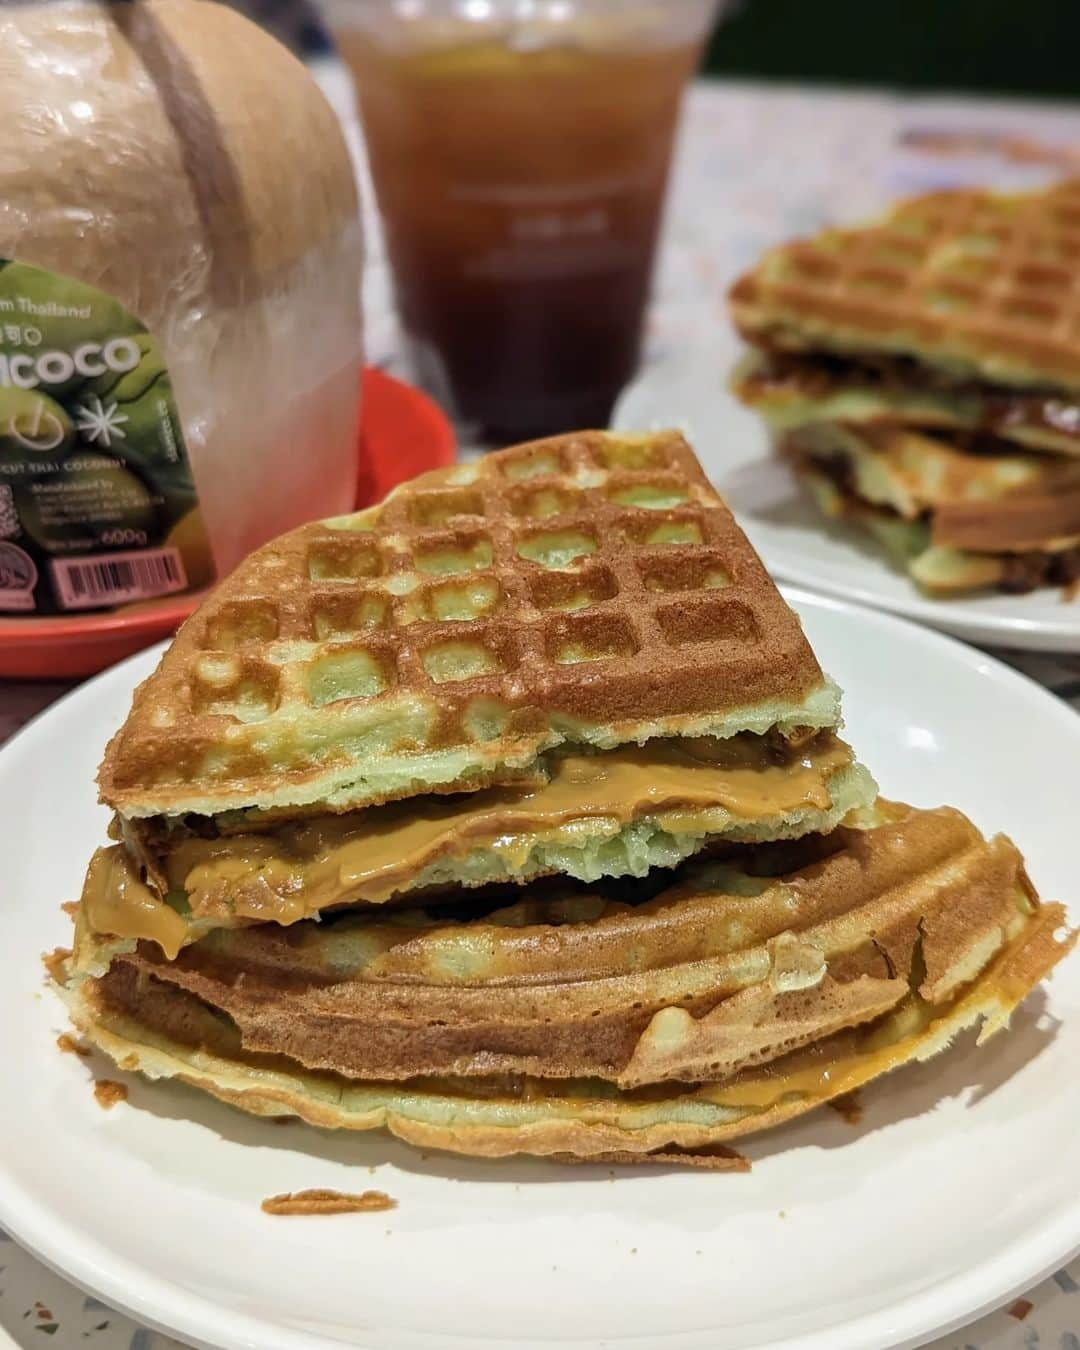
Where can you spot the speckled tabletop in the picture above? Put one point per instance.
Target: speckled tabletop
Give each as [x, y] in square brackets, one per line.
[755, 165]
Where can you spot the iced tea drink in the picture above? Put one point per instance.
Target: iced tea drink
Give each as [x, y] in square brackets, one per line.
[520, 167]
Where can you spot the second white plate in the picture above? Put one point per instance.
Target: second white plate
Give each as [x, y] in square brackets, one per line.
[956, 1192]
[794, 540]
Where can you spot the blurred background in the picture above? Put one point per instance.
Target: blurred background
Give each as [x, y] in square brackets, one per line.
[991, 46]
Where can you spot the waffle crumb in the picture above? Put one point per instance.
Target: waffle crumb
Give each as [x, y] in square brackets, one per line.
[1021, 1308]
[328, 1202]
[54, 963]
[109, 1093]
[848, 1107]
[70, 1046]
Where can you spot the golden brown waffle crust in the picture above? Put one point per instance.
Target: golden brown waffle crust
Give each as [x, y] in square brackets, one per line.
[969, 282]
[967, 508]
[611, 598]
[959, 569]
[696, 984]
[594, 1134]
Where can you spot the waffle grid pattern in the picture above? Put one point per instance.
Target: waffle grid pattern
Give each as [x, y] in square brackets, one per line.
[590, 577]
[968, 280]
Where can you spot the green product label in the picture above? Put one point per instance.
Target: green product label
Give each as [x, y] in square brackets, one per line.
[97, 500]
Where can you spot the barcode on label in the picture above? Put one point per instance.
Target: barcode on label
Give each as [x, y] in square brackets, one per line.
[114, 578]
[9, 516]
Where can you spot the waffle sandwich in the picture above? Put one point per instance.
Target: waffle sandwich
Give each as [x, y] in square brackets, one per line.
[511, 815]
[923, 375]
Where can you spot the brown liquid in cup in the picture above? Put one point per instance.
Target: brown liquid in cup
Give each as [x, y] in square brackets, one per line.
[521, 191]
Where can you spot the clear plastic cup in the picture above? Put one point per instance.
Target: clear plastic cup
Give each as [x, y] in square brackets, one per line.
[520, 153]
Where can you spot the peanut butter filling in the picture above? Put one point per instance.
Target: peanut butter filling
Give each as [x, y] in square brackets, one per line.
[370, 855]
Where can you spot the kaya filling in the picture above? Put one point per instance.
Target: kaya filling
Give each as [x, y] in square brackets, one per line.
[785, 378]
[300, 868]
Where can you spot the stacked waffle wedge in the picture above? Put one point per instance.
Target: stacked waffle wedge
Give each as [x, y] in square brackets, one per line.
[923, 374]
[511, 815]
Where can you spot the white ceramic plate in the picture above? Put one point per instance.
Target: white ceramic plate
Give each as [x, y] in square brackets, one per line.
[795, 541]
[956, 1192]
